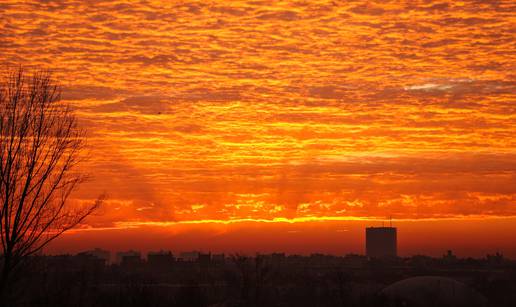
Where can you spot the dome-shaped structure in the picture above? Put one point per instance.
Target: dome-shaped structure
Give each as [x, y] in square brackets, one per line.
[432, 291]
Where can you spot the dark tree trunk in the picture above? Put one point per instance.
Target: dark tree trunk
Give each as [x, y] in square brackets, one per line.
[4, 279]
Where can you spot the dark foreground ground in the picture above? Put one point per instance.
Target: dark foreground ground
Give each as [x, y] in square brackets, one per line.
[267, 280]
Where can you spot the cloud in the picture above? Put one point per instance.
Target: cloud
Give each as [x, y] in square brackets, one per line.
[148, 105]
[329, 92]
[278, 15]
[463, 86]
[84, 92]
[191, 128]
[351, 109]
[365, 9]
[216, 94]
[429, 87]
[234, 11]
[160, 59]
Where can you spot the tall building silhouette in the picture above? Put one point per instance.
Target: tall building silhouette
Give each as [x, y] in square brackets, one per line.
[381, 242]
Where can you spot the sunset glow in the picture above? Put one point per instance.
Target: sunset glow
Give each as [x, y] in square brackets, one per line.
[284, 125]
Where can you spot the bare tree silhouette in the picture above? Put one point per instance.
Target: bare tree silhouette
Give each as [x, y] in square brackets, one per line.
[40, 147]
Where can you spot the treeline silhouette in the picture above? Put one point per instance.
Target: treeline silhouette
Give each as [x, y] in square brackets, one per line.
[263, 280]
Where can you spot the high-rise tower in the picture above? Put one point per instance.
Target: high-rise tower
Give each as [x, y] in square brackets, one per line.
[381, 242]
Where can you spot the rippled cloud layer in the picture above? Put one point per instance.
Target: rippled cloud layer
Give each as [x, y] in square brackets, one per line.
[220, 110]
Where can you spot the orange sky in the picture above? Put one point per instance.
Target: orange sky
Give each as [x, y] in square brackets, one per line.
[284, 111]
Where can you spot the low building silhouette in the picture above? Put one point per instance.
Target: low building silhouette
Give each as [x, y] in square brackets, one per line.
[204, 259]
[218, 258]
[129, 259]
[100, 254]
[160, 259]
[496, 259]
[189, 256]
[449, 258]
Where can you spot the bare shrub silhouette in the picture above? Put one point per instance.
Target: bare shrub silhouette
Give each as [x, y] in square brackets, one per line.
[40, 147]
